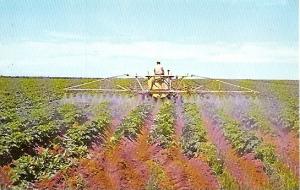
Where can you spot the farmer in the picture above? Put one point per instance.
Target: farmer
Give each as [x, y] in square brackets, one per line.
[158, 69]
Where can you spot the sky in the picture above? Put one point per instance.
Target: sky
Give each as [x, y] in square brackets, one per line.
[253, 39]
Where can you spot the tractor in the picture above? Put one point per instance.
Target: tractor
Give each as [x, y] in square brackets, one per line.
[162, 86]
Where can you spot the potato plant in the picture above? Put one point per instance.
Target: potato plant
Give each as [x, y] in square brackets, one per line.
[194, 138]
[30, 168]
[194, 133]
[243, 141]
[132, 124]
[78, 137]
[261, 123]
[290, 111]
[47, 162]
[163, 129]
[50, 140]
[18, 142]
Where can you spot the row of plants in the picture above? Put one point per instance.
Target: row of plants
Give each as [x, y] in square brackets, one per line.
[290, 108]
[28, 118]
[28, 169]
[280, 175]
[194, 138]
[158, 178]
[132, 124]
[79, 137]
[19, 138]
[195, 142]
[260, 121]
[24, 100]
[194, 134]
[91, 170]
[8, 100]
[163, 129]
[245, 141]
[62, 153]
[17, 142]
[19, 95]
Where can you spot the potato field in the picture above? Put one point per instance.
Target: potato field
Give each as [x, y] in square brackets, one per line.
[53, 140]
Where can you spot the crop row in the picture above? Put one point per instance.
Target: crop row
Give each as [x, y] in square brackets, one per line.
[290, 103]
[132, 124]
[245, 141]
[78, 137]
[19, 96]
[258, 120]
[163, 129]
[8, 101]
[130, 127]
[280, 175]
[62, 153]
[195, 142]
[194, 138]
[19, 138]
[28, 118]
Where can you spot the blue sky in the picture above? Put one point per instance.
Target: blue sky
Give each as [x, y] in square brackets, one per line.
[94, 38]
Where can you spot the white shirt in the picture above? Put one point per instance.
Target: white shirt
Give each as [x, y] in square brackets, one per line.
[158, 70]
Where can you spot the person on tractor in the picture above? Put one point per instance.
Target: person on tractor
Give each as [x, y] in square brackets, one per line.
[158, 69]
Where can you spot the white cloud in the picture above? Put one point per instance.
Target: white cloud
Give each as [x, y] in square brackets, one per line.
[218, 52]
[65, 35]
[46, 57]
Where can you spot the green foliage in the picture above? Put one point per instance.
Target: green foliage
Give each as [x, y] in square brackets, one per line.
[4, 153]
[57, 87]
[39, 115]
[286, 179]
[262, 123]
[29, 118]
[28, 168]
[8, 101]
[228, 182]
[132, 124]
[75, 144]
[242, 141]
[11, 127]
[79, 136]
[157, 176]
[194, 133]
[69, 113]
[13, 142]
[17, 141]
[77, 151]
[194, 138]
[45, 132]
[290, 110]
[163, 125]
[209, 151]
[245, 141]
[266, 152]
[7, 115]
[281, 177]
[247, 83]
